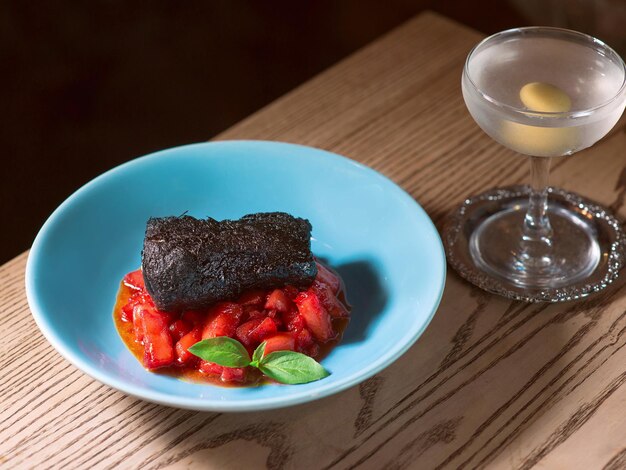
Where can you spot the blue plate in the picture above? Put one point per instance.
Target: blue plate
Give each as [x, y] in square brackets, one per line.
[378, 238]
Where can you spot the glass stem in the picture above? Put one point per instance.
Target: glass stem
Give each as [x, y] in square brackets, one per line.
[536, 224]
[536, 247]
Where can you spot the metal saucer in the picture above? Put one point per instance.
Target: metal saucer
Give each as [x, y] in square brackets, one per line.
[474, 210]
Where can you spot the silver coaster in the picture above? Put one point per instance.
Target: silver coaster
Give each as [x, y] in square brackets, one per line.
[461, 224]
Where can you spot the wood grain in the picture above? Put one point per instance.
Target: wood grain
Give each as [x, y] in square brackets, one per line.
[491, 383]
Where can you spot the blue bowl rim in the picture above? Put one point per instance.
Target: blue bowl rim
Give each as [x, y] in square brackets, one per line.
[199, 404]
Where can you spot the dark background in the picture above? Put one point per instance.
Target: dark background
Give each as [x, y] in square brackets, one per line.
[85, 86]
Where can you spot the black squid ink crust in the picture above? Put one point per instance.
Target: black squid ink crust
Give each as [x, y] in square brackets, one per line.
[190, 263]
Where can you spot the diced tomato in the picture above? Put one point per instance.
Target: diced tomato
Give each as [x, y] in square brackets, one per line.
[277, 317]
[134, 280]
[291, 292]
[329, 300]
[265, 329]
[157, 342]
[280, 342]
[137, 298]
[195, 317]
[227, 374]
[255, 297]
[127, 312]
[328, 277]
[254, 314]
[210, 368]
[167, 316]
[278, 300]
[293, 321]
[304, 340]
[305, 343]
[252, 332]
[315, 315]
[142, 298]
[222, 320]
[244, 331]
[179, 328]
[183, 356]
[234, 374]
[138, 327]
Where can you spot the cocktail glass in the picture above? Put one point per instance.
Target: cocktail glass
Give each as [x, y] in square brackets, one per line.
[543, 92]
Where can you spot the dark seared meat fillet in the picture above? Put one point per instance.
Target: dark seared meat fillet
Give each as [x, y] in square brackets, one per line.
[190, 263]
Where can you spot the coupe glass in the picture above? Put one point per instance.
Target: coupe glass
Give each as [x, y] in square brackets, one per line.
[543, 92]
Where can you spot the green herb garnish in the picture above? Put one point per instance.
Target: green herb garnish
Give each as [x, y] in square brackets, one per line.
[222, 350]
[286, 367]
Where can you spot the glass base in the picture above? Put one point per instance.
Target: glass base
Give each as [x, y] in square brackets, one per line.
[483, 240]
[574, 252]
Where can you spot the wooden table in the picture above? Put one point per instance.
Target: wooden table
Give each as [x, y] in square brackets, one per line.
[491, 383]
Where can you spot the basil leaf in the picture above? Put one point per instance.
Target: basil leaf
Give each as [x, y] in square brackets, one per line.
[290, 367]
[222, 350]
[257, 356]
